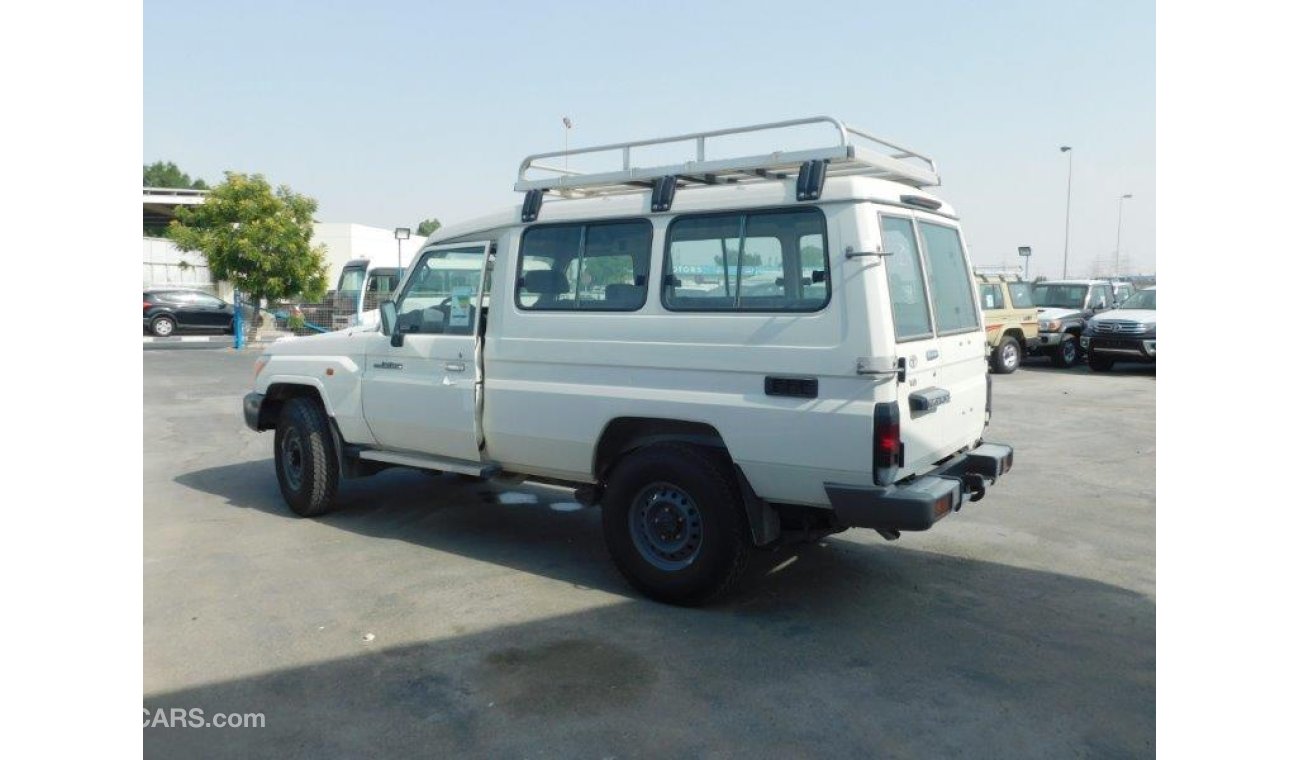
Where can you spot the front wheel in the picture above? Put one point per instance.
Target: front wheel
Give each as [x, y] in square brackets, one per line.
[674, 523]
[1006, 358]
[1067, 354]
[305, 461]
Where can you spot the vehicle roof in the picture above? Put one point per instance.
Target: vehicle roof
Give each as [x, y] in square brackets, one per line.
[695, 200]
[176, 289]
[1072, 282]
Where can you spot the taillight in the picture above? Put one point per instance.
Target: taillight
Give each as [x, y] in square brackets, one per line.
[886, 444]
[147, 304]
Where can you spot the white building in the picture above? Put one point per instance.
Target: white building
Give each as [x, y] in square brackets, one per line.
[165, 264]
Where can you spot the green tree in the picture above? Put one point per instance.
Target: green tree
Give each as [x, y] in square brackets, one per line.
[255, 238]
[428, 227]
[166, 174]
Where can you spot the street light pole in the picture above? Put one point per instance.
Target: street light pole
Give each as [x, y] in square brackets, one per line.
[568, 124]
[1119, 231]
[1069, 179]
[401, 233]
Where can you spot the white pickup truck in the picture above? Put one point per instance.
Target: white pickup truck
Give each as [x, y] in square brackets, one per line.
[722, 354]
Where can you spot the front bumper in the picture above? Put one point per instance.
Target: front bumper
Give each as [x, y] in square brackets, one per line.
[1049, 339]
[926, 499]
[253, 410]
[1137, 348]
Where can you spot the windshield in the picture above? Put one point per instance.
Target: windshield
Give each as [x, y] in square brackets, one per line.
[352, 279]
[1143, 299]
[1060, 296]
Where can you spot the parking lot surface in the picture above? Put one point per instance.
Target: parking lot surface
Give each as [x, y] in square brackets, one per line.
[432, 616]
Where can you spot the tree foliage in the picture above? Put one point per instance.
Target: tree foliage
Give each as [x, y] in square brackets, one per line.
[428, 227]
[166, 174]
[256, 238]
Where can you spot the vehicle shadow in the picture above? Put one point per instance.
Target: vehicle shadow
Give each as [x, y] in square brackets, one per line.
[837, 648]
[1121, 369]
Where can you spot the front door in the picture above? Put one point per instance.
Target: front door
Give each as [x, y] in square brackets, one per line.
[422, 396]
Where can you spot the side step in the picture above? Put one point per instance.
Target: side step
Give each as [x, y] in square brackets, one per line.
[428, 462]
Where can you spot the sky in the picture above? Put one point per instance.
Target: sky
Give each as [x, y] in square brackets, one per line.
[392, 112]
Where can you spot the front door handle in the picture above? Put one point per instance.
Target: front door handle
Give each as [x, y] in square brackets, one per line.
[454, 366]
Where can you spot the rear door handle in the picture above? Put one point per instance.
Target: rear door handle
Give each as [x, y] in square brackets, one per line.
[454, 366]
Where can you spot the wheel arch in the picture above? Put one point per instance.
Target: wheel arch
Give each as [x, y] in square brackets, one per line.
[280, 391]
[624, 435]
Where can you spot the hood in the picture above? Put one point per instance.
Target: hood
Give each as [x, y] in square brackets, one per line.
[1057, 313]
[337, 342]
[1133, 315]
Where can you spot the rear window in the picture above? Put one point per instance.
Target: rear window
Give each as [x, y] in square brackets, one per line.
[950, 279]
[906, 283]
[758, 261]
[1022, 295]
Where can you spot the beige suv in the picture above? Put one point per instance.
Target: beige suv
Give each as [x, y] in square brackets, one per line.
[1010, 319]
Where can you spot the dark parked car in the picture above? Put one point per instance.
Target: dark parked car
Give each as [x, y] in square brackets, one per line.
[167, 310]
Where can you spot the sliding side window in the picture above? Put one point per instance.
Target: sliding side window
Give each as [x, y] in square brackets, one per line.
[589, 267]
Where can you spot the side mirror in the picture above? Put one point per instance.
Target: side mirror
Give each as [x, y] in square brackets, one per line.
[388, 323]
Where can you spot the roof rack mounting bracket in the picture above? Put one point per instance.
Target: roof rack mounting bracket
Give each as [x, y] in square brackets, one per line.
[662, 197]
[532, 206]
[812, 179]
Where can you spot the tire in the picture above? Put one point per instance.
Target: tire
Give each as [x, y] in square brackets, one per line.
[1066, 354]
[674, 523]
[162, 326]
[1007, 356]
[1100, 363]
[305, 461]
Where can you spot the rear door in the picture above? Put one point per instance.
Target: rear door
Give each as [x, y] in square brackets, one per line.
[917, 345]
[959, 333]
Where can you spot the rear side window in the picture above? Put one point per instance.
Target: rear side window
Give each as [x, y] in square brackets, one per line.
[906, 283]
[950, 279]
[589, 267]
[758, 261]
[1022, 296]
[991, 296]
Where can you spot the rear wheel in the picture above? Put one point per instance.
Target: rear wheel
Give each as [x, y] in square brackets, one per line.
[1006, 357]
[162, 326]
[674, 523]
[1067, 354]
[305, 461]
[1100, 363]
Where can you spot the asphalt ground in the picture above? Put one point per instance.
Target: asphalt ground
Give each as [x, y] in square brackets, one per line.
[431, 616]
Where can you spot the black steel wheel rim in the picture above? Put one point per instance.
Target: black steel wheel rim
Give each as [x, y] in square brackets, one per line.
[667, 527]
[292, 459]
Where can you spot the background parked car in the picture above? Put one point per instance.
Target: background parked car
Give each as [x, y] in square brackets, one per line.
[1063, 308]
[1010, 319]
[1124, 334]
[169, 310]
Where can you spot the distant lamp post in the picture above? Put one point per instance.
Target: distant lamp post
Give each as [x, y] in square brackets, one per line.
[401, 233]
[568, 124]
[1069, 178]
[1025, 253]
[1119, 231]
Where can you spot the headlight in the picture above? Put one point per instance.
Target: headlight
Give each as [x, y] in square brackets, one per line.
[1049, 325]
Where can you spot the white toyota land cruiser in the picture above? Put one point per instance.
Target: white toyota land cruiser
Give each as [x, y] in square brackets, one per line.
[723, 354]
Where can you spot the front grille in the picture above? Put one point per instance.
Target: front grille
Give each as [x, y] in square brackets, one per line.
[1118, 327]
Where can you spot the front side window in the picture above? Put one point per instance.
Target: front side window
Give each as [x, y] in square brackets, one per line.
[991, 296]
[1022, 296]
[1097, 300]
[441, 292]
[906, 281]
[590, 267]
[949, 278]
[756, 261]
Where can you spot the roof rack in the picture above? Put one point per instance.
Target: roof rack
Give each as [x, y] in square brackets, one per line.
[850, 152]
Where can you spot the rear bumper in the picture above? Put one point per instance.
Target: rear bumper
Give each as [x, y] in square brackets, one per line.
[926, 499]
